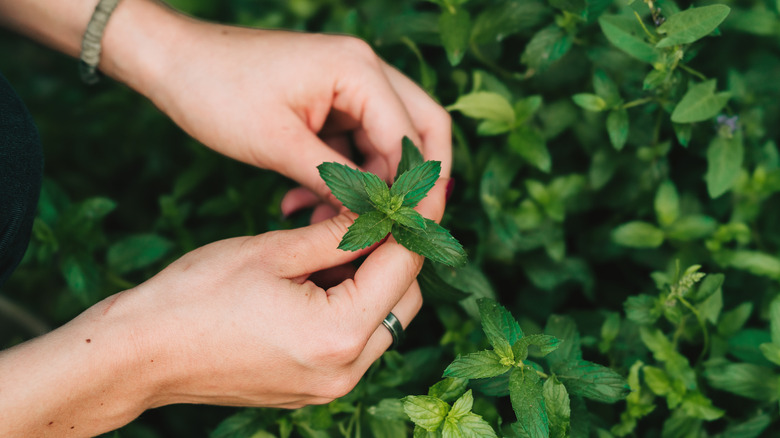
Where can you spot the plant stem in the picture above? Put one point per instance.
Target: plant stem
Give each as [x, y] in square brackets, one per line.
[637, 102]
[702, 325]
[22, 317]
[693, 72]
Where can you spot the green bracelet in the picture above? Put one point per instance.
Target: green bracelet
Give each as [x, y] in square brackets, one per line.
[90, 45]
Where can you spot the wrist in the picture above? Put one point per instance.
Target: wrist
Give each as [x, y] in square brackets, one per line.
[83, 379]
[139, 43]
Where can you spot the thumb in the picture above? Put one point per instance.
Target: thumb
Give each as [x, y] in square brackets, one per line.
[310, 249]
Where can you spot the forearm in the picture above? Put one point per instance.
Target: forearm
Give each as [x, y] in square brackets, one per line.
[136, 44]
[80, 380]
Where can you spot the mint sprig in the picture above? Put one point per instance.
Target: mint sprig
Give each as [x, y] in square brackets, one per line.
[383, 210]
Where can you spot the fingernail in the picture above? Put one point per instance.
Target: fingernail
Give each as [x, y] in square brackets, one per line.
[448, 190]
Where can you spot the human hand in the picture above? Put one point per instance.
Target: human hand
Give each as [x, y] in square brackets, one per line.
[239, 322]
[288, 101]
[236, 322]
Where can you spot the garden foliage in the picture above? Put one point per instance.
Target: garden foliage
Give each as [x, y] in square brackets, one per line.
[617, 180]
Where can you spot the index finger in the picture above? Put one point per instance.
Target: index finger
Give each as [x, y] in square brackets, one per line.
[388, 272]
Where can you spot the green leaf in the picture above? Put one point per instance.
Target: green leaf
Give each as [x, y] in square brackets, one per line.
[500, 327]
[733, 320]
[643, 309]
[700, 103]
[368, 229]
[485, 105]
[590, 102]
[724, 163]
[462, 406]
[449, 388]
[501, 19]
[454, 28]
[410, 157]
[347, 185]
[563, 328]
[415, 183]
[408, 217]
[136, 252]
[546, 46]
[708, 286]
[691, 227]
[592, 381]
[657, 380]
[546, 343]
[746, 380]
[425, 411]
[667, 203]
[526, 108]
[638, 234]
[530, 145]
[472, 425]
[627, 35]
[434, 242]
[774, 320]
[693, 24]
[617, 127]
[479, 365]
[556, 400]
[94, 209]
[527, 396]
[755, 262]
[605, 87]
[771, 352]
[752, 428]
[696, 405]
[82, 277]
[378, 192]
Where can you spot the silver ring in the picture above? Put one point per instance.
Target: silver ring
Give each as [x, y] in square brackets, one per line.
[396, 329]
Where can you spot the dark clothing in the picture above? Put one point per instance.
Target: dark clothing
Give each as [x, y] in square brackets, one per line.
[21, 171]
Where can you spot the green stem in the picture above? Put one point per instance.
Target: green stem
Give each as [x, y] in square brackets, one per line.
[702, 324]
[641, 23]
[497, 68]
[693, 72]
[637, 102]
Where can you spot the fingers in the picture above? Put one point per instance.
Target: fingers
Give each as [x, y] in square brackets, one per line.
[430, 120]
[371, 99]
[387, 273]
[381, 339]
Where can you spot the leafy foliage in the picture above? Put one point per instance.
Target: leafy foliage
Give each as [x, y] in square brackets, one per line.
[384, 210]
[617, 178]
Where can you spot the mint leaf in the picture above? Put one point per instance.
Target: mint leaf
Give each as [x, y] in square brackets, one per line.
[377, 191]
[347, 186]
[556, 400]
[700, 103]
[408, 217]
[472, 425]
[425, 411]
[462, 406]
[526, 394]
[500, 327]
[690, 25]
[592, 381]
[368, 229]
[434, 242]
[448, 388]
[546, 343]
[415, 183]
[410, 157]
[479, 365]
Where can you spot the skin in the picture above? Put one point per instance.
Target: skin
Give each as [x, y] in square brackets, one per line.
[280, 319]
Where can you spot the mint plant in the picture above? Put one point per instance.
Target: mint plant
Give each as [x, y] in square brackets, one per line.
[384, 210]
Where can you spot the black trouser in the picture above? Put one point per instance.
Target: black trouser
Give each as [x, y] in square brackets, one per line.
[21, 170]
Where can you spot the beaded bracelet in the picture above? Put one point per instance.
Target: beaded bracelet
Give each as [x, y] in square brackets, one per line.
[90, 45]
